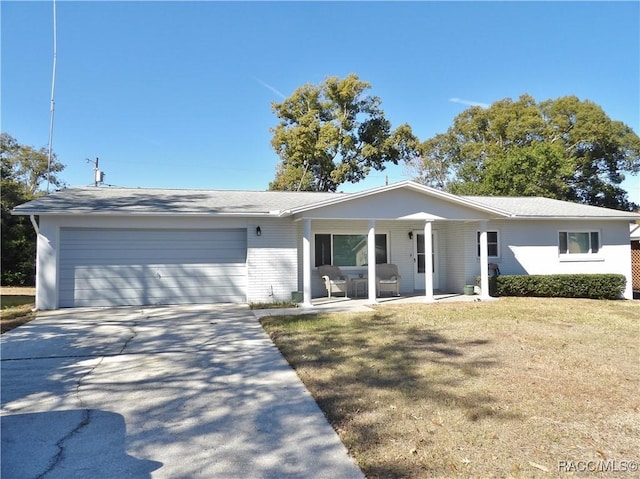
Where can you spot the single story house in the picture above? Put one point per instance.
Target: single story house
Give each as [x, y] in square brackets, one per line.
[132, 246]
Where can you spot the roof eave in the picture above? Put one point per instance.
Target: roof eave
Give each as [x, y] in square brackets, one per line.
[147, 213]
[630, 219]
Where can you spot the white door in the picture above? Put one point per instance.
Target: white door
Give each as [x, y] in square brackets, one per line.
[419, 260]
[120, 267]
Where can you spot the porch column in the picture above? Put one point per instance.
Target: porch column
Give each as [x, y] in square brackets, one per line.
[371, 259]
[484, 262]
[428, 262]
[306, 263]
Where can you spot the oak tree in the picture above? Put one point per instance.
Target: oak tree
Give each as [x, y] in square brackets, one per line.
[334, 133]
[565, 148]
[23, 172]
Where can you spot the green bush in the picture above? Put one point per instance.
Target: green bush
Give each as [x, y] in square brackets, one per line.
[595, 286]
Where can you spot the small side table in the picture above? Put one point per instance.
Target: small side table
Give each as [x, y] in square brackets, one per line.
[355, 285]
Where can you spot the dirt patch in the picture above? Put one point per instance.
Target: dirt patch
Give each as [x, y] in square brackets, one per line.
[18, 291]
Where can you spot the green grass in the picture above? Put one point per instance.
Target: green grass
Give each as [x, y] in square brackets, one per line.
[273, 305]
[17, 307]
[13, 300]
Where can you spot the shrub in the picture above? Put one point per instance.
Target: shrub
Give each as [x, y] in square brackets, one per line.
[595, 286]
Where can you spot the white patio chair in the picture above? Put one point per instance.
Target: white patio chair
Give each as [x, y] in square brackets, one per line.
[334, 280]
[388, 279]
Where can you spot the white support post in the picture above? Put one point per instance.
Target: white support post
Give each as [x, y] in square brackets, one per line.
[36, 228]
[306, 263]
[484, 262]
[428, 262]
[47, 260]
[371, 259]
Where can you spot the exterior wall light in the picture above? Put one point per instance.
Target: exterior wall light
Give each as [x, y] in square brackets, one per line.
[258, 231]
[410, 235]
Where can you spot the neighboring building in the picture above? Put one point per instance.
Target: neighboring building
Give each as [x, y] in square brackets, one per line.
[635, 256]
[119, 246]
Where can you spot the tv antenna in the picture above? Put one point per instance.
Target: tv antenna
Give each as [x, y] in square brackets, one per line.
[98, 175]
[53, 90]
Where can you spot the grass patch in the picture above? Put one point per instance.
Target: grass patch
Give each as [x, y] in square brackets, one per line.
[498, 389]
[13, 300]
[273, 305]
[17, 307]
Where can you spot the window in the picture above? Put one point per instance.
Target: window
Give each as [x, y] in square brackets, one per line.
[492, 244]
[578, 242]
[347, 250]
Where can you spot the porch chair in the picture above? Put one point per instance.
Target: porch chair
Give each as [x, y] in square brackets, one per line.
[387, 278]
[334, 280]
[494, 269]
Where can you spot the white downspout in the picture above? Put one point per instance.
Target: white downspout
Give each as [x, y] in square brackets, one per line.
[34, 223]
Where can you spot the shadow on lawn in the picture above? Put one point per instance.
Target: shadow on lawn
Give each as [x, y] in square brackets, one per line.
[370, 360]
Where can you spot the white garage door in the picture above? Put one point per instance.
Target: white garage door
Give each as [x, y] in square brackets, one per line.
[117, 267]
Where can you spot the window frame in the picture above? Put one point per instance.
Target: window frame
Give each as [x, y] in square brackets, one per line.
[589, 254]
[346, 233]
[497, 243]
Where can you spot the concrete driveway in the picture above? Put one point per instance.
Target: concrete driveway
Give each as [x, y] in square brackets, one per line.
[162, 392]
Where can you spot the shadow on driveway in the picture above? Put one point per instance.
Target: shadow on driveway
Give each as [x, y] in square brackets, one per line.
[36, 444]
[181, 391]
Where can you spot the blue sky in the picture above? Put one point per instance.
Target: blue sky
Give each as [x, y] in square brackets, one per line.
[178, 94]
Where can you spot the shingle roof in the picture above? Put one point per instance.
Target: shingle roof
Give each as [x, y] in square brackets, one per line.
[144, 201]
[162, 201]
[539, 207]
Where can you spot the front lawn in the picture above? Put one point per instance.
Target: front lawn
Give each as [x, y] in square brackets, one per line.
[520, 387]
[17, 304]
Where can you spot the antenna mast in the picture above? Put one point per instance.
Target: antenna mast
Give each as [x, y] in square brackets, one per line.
[53, 89]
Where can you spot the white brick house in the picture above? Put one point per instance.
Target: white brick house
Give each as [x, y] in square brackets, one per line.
[119, 246]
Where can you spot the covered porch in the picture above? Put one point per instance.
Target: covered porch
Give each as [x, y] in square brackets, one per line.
[455, 252]
[409, 298]
[418, 229]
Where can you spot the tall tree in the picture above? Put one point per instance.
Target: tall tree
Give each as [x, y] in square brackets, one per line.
[564, 148]
[334, 133]
[23, 170]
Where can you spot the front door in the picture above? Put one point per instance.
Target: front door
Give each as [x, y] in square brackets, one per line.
[419, 260]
